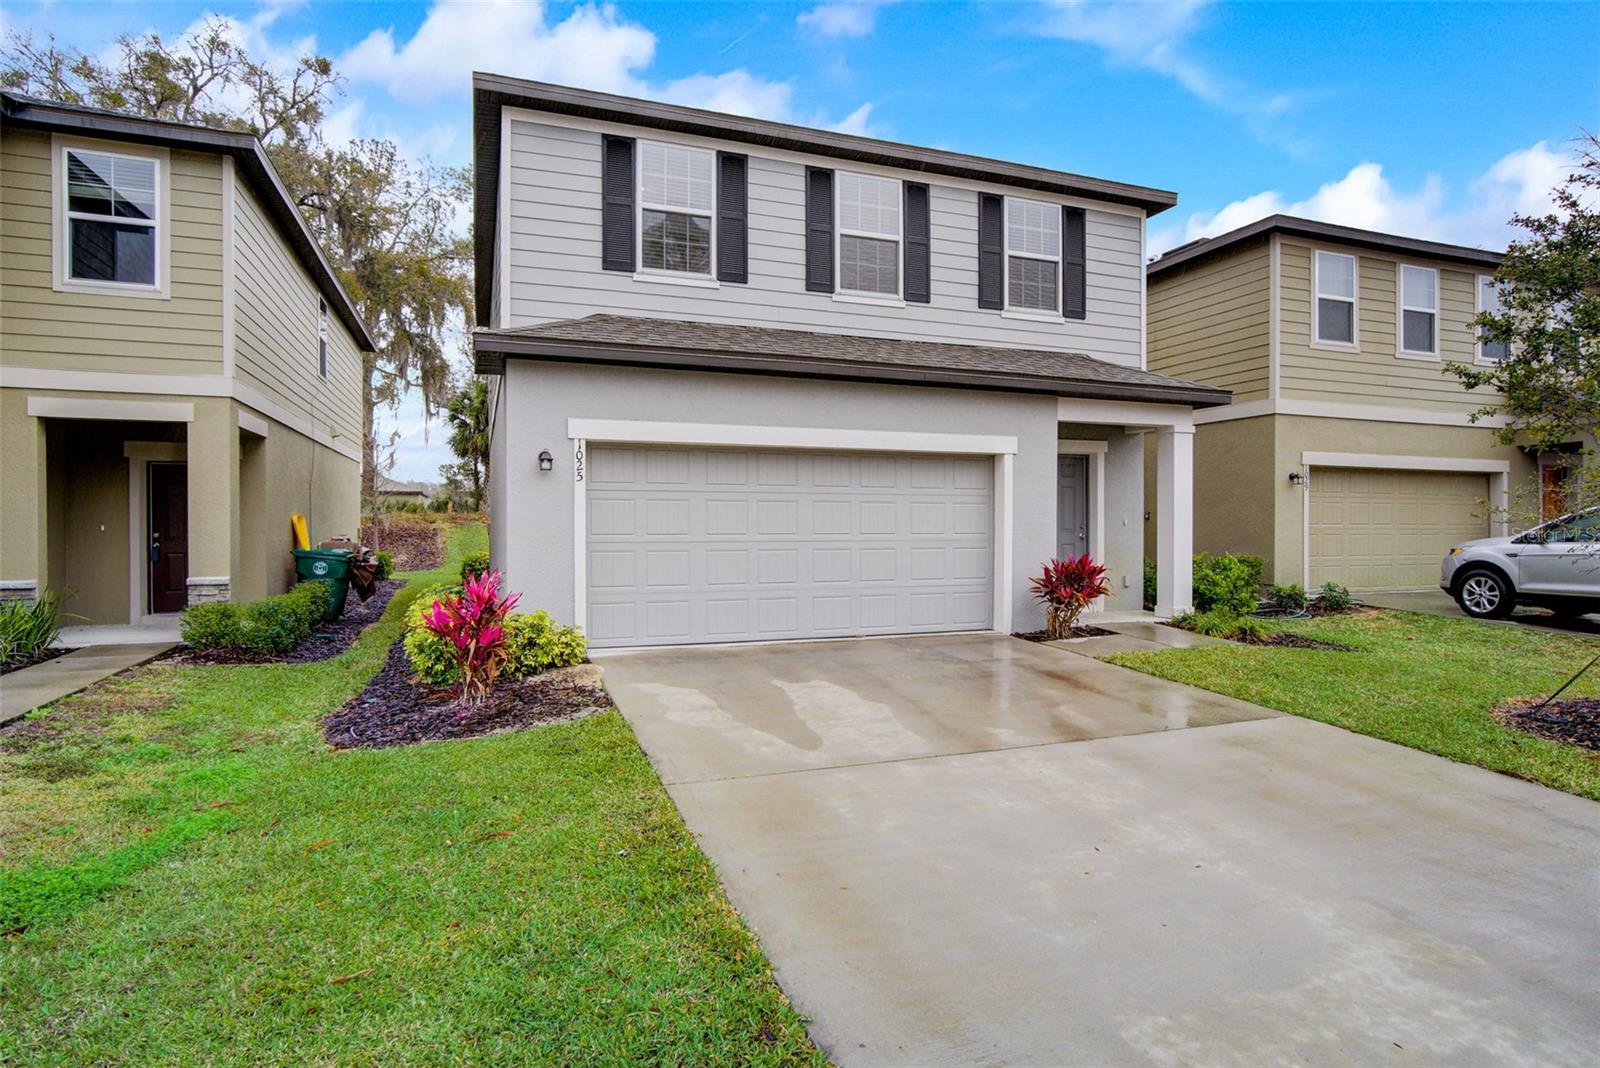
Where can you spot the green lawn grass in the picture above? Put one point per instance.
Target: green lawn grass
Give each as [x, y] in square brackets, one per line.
[1427, 682]
[200, 879]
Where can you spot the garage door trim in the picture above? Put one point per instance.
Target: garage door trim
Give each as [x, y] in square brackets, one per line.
[1003, 448]
[1499, 472]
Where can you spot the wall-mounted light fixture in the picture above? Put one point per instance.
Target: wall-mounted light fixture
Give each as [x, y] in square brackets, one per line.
[546, 461]
[1297, 478]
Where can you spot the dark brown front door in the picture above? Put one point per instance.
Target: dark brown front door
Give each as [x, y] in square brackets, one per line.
[169, 537]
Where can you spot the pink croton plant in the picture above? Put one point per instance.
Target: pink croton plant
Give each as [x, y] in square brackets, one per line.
[474, 625]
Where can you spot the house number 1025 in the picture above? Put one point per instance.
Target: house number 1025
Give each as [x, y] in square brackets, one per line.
[577, 462]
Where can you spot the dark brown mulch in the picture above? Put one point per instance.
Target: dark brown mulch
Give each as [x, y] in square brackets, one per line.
[416, 546]
[396, 709]
[1077, 632]
[327, 641]
[48, 654]
[1300, 641]
[1573, 720]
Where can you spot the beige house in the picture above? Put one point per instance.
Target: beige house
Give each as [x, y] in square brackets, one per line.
[180, 371]
[1347, 454]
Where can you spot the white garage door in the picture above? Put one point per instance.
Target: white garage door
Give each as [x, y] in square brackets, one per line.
[725, 545]
[1388, 530]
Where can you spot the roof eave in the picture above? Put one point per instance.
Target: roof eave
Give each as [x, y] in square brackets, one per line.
[1311, 230]
[491, 350]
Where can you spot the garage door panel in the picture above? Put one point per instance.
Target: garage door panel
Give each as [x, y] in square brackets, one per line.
[689, 545]
[1374, 529]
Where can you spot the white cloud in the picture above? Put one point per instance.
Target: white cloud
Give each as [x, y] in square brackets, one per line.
[1153, 36]
[1520, 181]
[845, 19]
[737, 91]
[858, 122]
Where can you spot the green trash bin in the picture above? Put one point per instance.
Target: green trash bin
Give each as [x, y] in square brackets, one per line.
[331, 566]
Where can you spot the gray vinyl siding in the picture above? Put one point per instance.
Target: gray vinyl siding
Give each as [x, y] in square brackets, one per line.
[109, 332]
[1375, 374]
[275, 336]
[555, 270]
[1210, 322]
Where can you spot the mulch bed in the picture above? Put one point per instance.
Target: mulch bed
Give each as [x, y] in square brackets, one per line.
[48, 654]
[1573, 720]
[1077, 632]
[396, 709]
[1300, 641]
[327, 641]
[416, 546]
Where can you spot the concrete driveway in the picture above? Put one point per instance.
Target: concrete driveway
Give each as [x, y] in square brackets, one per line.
[1439, 603]
[975, 850]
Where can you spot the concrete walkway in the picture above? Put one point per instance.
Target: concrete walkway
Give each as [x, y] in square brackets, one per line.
[23, 691]
[160, 629]
[978, 850]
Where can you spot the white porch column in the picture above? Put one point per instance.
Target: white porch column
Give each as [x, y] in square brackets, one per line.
[1174, 519]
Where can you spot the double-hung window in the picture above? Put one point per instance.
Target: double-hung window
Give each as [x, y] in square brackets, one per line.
[1336, 298]
[1033, 255]
[111, 218]
[869, 234]
[676, 193]
[1490, 303]
[1419, 311]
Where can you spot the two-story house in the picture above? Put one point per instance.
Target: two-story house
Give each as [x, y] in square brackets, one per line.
[1348, 454]
[756, 381]
[180, 371]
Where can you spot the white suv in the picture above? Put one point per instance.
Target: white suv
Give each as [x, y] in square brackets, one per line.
[1554, 566]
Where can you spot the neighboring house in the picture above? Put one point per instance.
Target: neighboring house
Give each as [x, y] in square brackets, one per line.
[755, 381]
[179, 368]
[393, 491]
[1347, 454]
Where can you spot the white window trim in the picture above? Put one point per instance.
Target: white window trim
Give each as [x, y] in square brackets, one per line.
[61, 282]
[640, 206]
[1354, 344]
[1401, 307]
[1007, 309]
[895, 299]
[1477, 340]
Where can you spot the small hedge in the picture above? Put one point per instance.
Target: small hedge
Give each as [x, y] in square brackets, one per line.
[475, 564]
[1228, 582]
[534, 643]
[271, 626]
[385, 565]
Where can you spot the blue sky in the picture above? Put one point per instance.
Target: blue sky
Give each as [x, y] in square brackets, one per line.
[1436, 120]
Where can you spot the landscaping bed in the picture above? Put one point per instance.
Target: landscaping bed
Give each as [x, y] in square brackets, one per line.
[37, 658]
[328, 640]
[1574, 720]
[1077, 632]
[417, 546]
[396, 708]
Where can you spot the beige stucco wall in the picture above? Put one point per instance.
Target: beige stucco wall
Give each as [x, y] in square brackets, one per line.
[40, 327]
[1209, 321]
[1375, 373]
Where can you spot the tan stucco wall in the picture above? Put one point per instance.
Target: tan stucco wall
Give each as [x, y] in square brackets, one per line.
[40, 327]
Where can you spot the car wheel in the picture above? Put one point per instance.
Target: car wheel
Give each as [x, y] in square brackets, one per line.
[1484, 595]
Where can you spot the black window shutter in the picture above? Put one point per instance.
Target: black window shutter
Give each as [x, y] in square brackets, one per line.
[917, 234]
[991, 250]
[616, 210]
[733, 213]
[1074, 265]
[819, 230]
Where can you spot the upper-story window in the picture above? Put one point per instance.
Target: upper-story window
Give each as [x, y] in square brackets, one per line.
[1419, 311]
[676, 194]
[1336, 298]
[1490, 301]
[1033, 255]
[111, 218]
[322, 338]
[869, 234]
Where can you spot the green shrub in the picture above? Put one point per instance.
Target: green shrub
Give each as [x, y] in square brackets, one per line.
[534, 643]
[1221, 623]
[475, 564]
[1228, 582]
[27, 628]
[1149, 584]
[1334, 597]
[1288, 597]
[385, 565]
[271, 626]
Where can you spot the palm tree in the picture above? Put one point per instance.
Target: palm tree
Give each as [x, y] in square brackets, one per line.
[468, 415]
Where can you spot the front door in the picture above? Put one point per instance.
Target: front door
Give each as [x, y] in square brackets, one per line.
[1072, 506]
[168, 545]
